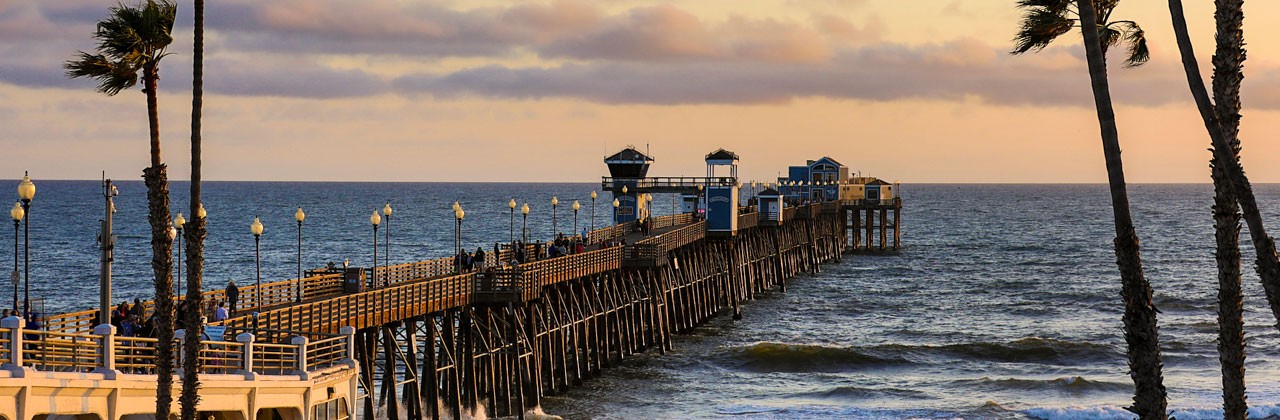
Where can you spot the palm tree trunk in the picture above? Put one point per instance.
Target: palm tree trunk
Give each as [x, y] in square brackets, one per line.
[1226, 223]
[1227, 75]
[157, 181]
[1268, 262]
[195, 234]
[1141, 331]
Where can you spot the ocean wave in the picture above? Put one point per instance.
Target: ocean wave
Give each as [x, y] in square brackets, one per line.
[1065, 384]
[1270, 411]
[1025, 350]
[779, 357]
[783, 357]
[849, 392]
[1079, 413]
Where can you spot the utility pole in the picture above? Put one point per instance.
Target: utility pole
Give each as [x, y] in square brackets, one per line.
[107, 244]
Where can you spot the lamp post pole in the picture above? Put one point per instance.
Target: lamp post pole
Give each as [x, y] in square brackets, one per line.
[554, 202]
[256, 229]
[524, 224]
[179, 222]
[173, 234]
[615, 211]
[299, 216]
[26, 192]
[386, 247]
[375, 219]
[576, 206]
[512, 205]
[458, 214]
[18, 214]
[593, 210]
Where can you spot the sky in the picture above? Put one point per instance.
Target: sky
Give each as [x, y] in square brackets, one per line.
[918, 91]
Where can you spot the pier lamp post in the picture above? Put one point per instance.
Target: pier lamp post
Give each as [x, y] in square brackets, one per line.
[524, 224]
[576, 206]
[615, 210]
[17, 214]
[178, 223]
[299, 216]
[512, 231]
[554, 202]
[697, 201]
[256, 229]
[648, 205]
[593, 210]
[386, 247]
[26, 192]
[458, 215]
[173, 234]
[374, 220]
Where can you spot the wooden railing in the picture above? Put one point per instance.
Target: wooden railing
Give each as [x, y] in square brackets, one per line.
[896, 201]
[610, 233]
[569, 267]
[506, 284]
[221, 357]
[679, 237]
[326, 352]
[369, 308]
[52, 351]
[747, 220]
[670, 220]
[57, 352]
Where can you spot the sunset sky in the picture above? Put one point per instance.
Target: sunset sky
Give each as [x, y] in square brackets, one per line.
[387, 90]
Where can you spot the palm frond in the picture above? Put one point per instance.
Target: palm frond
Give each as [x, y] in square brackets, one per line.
[129, 39]
[1041, 25]
[1138, 52]
[112, 77]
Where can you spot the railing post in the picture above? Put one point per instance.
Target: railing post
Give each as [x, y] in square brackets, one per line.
[247, 340]
[13, 327]
[106, 348]
[301, 344]
[350, 333]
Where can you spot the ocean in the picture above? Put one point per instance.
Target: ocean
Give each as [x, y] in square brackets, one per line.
[1004, 302]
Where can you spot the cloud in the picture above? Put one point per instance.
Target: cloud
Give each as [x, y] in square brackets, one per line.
[642, 55]
[560, 29]
[949, 71]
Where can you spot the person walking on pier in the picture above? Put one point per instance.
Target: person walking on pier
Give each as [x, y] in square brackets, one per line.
[220, 314]
[478, 259]
[233, 293]
[137, 308]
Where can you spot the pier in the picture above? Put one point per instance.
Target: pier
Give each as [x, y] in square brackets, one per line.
[423, 340]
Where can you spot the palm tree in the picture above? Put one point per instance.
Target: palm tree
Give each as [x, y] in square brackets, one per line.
[195, 233]
[1045, 21]
[1230, 188]
[133, 40]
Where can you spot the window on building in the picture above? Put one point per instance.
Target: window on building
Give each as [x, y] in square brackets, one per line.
[335, 409]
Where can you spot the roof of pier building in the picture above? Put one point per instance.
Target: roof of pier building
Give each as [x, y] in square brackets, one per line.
[721, 155]
[628, 163]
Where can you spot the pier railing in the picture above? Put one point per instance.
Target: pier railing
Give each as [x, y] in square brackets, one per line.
[373, 307]
[891, 202]
[51, 351]
[323, 286]
[679, 237]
